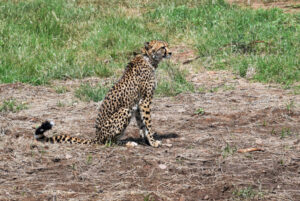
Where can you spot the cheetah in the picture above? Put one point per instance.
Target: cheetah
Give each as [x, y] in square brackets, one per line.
[130, 96]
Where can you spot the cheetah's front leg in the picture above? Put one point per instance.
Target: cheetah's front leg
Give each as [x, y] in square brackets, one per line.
[145, 123]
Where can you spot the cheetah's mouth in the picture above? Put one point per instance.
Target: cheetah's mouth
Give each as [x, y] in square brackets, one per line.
[167, 56]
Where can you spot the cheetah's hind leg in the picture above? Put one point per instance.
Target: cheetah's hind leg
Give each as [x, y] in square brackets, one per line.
[118, 124]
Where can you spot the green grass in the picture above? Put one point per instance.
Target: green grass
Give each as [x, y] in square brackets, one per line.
[248, 193]
[200, 111]
[290, 106]
[295, 6]
[148, 198]
[86, 92]
[42, 40]
[285, 132]
[172, 81]
[61, 89]
[11, 105]
[228, 150]
[296, 90]
[232, 37]
[54, 39]
[89, 159]
[60, 104]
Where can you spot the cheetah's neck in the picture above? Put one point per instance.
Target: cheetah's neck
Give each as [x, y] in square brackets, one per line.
[153, 63]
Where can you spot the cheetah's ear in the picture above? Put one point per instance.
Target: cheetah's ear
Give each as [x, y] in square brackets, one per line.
[147, 46]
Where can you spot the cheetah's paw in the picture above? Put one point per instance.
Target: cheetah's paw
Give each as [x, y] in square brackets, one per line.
[156, 143]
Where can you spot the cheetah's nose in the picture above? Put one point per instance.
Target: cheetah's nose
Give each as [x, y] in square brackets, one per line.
[170, 53]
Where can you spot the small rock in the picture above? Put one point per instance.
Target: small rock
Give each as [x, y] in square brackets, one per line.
[162, 166]
[68, 156]
[168, 145]
[181, 110]
[131, 144]
[258, 141]
[206, 197]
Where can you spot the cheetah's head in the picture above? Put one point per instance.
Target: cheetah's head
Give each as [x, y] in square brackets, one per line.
[157, 50]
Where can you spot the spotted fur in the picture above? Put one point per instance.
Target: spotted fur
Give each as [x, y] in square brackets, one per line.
[130, 96]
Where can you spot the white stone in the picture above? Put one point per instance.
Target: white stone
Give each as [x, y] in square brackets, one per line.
[131, 144]
[162, 166]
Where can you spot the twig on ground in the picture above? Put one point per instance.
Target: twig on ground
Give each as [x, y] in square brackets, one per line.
[250, 150]
[190, 60]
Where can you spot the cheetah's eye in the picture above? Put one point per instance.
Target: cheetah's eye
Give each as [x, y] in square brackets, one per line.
[162, 48]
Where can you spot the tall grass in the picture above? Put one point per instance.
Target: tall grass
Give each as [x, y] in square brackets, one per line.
[231, 37]
[172, 81]
[86, 92]
[41, 40]
[34, 38]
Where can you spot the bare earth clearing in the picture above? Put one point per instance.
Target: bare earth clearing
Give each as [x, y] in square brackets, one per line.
[289, 6]
[202, 164]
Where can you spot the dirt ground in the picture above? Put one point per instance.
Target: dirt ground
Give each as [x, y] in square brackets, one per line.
[289, 6]
[206, 130]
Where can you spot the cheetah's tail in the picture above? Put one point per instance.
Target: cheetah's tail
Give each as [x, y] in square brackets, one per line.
[47, 125]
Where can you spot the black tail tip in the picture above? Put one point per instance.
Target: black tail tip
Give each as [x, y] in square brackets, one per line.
[46, 125]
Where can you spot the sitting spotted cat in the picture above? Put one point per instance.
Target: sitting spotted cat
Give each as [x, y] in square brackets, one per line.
[132, 94]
